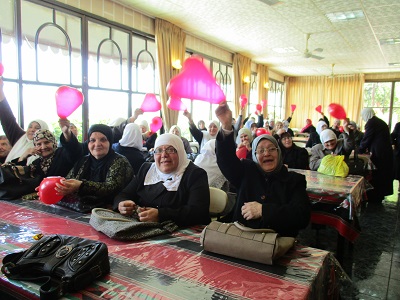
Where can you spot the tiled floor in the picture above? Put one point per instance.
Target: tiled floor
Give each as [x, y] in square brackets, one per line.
[373, 263]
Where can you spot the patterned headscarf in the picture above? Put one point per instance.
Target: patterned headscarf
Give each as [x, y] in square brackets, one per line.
[45, 162]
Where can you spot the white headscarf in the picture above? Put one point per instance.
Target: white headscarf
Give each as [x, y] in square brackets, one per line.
[207, 160]
[206, 134]
[24, 143]
[116, 122]
[367, 113]
[244, 131]
[175, 127]
[132, 137]
[319, 126]
[327, 135]
[145, 124]
[172, 180]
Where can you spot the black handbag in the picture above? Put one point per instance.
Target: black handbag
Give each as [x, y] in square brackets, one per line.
[356, 165]
[64, 263]
[16, 181]
[82, 204]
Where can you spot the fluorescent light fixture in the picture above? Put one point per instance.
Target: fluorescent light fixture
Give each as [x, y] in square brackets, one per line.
[345, 16]
[395, 64]
[389, 41]
[285, 50]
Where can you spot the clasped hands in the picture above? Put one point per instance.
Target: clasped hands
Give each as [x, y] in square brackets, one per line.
[252, 210]
[146, 214]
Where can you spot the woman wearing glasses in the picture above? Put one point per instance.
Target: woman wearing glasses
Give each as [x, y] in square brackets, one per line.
[268, 196]
[170, 188]
[330, 144]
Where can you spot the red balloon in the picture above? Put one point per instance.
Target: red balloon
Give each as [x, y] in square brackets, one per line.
[341, 129]
[243, 100]
[68, 99]
[261, 131]
[264, 103]
[1, 69]
[156, 124]
[337, 111]
[195, 81]
[241, 152]
[319, 108]
[259, 107]
[176, 104]
[292, 107]
[150, 103]
[47, 192]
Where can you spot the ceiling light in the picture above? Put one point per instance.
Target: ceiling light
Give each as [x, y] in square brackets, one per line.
[389, 41]
[345, 16]
[270, 2]
[285, 50]
[176, 64]
[246, 79]
[395, 64]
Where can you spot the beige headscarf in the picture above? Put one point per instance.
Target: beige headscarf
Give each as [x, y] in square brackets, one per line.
[172, 180]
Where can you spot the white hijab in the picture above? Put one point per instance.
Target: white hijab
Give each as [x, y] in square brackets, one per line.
[172, 180]
[207, 160]
[367, 113]
[24, 143]
[206, 134]
[132, 137]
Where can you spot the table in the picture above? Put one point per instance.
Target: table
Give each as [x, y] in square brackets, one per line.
[335, 201]
[169, 266]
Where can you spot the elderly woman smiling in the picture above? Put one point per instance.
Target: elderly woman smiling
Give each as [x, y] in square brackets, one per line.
[171, 188]
[268, 195]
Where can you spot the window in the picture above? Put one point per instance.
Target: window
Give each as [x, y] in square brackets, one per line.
[383, 98]
[276, 101]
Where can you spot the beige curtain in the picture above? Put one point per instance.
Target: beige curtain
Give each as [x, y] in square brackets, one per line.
[309, 92]
[241, 69]
[263, 77]
[170, 41]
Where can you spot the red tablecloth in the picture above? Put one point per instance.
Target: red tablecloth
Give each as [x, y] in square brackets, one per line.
[169, 266]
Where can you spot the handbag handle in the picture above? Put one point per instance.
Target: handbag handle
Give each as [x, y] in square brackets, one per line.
[96, 210]
[248, 229]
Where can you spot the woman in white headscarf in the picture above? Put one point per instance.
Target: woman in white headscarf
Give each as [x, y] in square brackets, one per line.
[131, 145]
[202, 137]
[330, 144]
[377, 143]
[243, 142]
[314, 137]
[177, 131]
[20, 140]
[171, 188]
[268, 195]
[148, 137]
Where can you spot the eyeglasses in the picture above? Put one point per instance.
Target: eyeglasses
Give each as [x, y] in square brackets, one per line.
[169, 150]
[261, 151]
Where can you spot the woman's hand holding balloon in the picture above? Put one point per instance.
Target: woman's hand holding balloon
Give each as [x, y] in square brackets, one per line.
[224, 115]
[68, 186]
[136, 114]
[64, 125]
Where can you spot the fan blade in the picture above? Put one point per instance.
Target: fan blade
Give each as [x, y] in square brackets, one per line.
[316, 57]
[318, 50]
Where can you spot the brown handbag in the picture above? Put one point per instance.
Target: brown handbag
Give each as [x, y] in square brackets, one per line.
[236, 240]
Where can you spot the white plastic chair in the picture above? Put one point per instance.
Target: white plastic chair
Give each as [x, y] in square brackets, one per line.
[218, 202]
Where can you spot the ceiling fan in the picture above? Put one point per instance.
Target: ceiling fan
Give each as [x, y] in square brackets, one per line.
[307, 53]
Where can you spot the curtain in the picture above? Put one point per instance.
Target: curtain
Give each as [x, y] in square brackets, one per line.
[241, 69]
[170, 41]
[309, 92]
[263, 77]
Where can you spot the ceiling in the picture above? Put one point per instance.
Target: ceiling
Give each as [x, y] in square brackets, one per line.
[254, 28]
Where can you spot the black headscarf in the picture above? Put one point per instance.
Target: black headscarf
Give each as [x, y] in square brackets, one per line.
[96, 169]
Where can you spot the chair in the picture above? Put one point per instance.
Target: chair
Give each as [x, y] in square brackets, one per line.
[194, 146]
[218, 202]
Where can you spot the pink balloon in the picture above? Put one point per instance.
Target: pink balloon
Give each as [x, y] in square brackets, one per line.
[68, 99]
[1, 69]
[337, 111]
[293, 107]
[243, 100]
[264, 103]
[259, 107]
[176, 104]
[47, 193]
[156, 124]
[150, 103]
[195, 81]
[319, 108]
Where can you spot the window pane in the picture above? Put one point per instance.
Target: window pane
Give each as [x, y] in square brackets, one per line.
[11, 92]
[377, 95]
